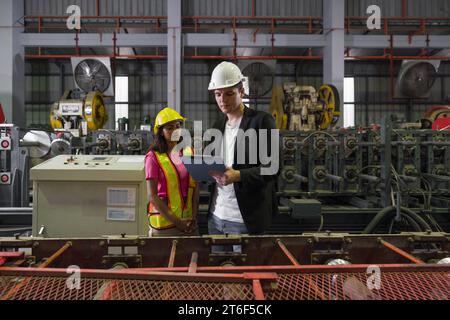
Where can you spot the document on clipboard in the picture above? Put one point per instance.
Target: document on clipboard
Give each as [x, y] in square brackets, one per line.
[200, 166]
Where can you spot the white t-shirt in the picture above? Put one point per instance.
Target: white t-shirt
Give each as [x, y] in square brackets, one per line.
[224, 203]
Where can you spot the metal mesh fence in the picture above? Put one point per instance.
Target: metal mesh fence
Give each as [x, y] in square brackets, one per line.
[405, 285]
[56, 288]
[361, 286]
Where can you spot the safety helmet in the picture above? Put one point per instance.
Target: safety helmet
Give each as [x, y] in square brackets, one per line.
[225, 75]
[166, 115]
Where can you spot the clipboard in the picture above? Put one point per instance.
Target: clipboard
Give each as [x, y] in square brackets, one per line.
[199, 166]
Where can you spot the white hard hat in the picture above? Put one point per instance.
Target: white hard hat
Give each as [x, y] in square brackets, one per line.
[225, 75]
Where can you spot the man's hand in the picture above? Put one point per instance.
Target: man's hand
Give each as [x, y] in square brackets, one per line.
[225, 178]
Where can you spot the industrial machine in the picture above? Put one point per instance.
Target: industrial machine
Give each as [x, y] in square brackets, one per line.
[120, 142]
[297, 107]
[437, 118]
[19, 150]
[363, 168]
[83, 109]
[312, 266]
[89, 196]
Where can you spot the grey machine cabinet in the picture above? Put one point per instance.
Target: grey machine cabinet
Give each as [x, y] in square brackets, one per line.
[89, 196]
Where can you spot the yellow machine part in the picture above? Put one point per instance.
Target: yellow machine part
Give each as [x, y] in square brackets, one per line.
[437, 112]
[329, 95]
[95, 110]
[55, 122]
[276, 108]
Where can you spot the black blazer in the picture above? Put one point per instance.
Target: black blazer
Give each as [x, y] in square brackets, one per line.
[255, 193]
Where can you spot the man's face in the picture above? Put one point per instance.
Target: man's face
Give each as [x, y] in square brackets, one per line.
[229, 99]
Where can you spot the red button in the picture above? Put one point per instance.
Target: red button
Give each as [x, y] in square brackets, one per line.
[5, 144]
[4, 178]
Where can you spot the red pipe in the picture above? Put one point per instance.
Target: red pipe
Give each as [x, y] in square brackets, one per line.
[287, 253]
[218, 18]
[234, 270]
[401, 252]
[258, 290]
[422, 28]
[103, 17]
[404, 8]
[68, 56]
[218, 57]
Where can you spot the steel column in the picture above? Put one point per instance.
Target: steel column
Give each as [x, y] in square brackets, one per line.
[333, 56]
[174, 54]
[12, 65]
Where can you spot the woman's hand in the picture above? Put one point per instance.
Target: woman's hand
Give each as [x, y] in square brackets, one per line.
[186, 225]
[191, 226]
[181, 224]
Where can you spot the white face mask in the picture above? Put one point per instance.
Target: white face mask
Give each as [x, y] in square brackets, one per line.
[176, 135]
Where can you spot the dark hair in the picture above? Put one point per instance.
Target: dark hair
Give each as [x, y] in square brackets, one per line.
[159, 143]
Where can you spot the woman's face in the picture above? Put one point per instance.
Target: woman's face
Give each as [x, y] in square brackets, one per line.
[171, 131]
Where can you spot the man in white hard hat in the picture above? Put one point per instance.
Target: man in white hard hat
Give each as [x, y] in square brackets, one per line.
[243, 200]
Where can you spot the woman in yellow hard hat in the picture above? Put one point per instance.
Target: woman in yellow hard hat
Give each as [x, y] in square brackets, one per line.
[172, 193]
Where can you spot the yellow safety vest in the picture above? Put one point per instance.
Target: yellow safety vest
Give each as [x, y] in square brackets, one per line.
[175, 200]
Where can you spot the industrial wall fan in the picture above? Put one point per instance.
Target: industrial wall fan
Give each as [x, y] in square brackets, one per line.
[84, 109]
[415, 79]
[93, 75]
[260, 77]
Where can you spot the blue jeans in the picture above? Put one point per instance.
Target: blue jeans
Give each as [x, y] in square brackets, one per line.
[219, 226]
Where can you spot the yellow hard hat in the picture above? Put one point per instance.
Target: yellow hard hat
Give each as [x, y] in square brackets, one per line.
[166, 115]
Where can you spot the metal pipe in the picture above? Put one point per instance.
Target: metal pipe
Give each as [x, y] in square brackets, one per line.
[16, 210]
[352, 23]
[391, 66]
[300, 178]
[408, 178]
[368, 144]
[436, 177]
[435, 143]
[56, 255]
[232, 57]
[24, 143]
[370, 178]
[404, 143]
[97, 8]
[333, 177]
[193, 263]
[398, 213]
[288, 254]
[401, 252]
[172, 254]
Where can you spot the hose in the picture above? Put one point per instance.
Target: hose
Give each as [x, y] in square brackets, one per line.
[418, 221]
